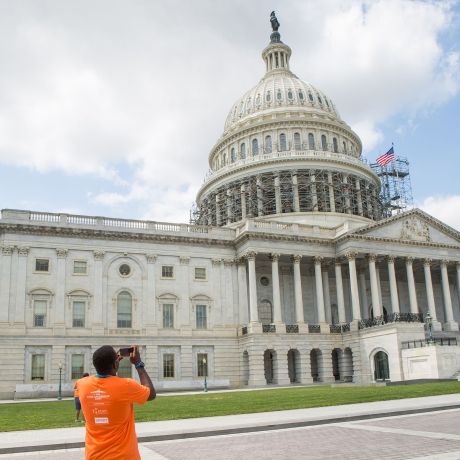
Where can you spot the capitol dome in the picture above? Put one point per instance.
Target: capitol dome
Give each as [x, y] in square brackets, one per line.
[286, 155]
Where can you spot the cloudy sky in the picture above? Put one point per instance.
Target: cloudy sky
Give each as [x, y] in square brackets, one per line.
[110, 107]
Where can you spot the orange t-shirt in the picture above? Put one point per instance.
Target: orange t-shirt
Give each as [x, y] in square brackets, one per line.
[107, 405]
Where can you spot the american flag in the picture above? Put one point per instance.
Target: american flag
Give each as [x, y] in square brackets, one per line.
[384, 159]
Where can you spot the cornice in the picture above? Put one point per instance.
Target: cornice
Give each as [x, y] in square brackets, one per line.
[85, 233]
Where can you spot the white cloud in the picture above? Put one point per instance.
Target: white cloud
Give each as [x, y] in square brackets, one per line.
[138, 92]
[444, 208]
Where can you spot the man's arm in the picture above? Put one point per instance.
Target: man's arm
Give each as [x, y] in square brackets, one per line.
[144, 378]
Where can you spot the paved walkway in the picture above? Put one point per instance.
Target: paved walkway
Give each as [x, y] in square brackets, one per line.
[68, 438]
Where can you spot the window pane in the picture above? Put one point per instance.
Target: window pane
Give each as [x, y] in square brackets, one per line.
[41, 265]
[168, 365]
[311, 142]
[202, 364]
[125, 368]
[201, 320]
[78, 318]
[200, 273]
[297, 141]
[124, 304]
[40, 313]
[268, 144]
[77, 363]
[38, 367]
[168, 316]
[167, 271]
[282, 142]
[79, 266]
[323, 142]
[255, 147]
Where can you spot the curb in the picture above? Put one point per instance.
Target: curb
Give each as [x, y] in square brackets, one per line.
[248, 429]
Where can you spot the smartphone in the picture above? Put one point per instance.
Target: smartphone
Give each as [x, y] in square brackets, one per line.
[125, 351]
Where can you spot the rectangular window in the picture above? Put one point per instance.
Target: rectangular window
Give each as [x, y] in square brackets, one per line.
[40, 313]
[201, 319]
[200, 273]
[80, 267]
[78, 314]
[167, 271]
[168, 365]
[202, 364]
[77, 366]
[168, 316]
[125, 368]
[42, 265]
[38, 367]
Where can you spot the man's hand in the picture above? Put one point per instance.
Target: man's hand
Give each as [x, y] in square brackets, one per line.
[135, 356]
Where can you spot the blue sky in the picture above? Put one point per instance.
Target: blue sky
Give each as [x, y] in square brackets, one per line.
[114, 112]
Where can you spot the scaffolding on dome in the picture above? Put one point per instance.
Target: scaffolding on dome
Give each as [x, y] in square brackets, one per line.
[306, 190]
[396, 191]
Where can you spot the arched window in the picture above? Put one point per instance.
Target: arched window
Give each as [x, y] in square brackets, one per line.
[243, 150]
[319, 100]
[297, 145]
[283, 142]
[311, 141]
[323, 142]
[344, 147]
[265, 312]
[224, 159]
[301, 96]
[255, 147]
[336, 146]
[278, 95]
[233, 155]
[124, 309]
[268, 144]
[290, 95]
[268, 96]
[381, 367]
[310, 96]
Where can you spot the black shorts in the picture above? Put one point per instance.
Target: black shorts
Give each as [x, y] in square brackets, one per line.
[77, 403]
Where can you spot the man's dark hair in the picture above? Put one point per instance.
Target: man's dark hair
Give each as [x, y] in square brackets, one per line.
[86, 374]
[104, 359]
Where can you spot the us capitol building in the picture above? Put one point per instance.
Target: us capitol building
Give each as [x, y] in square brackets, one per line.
[292, 271]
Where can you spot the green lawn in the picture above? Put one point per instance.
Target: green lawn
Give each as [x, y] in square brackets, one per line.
[31, 416]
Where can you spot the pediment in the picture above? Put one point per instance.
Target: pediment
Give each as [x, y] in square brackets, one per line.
[412, 226]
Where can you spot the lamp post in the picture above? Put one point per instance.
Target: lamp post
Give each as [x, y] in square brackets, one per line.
[205, 369]
[60, 381]
[429, 326]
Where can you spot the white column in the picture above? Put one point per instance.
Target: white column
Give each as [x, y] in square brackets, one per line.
[393, 285]
[243, 201]
[326, 294]
[377, 307]
[298, 289]
[260, 203]
[450, 325]
[458, 281]
[218, 213]
[59, 305]
[347, 195]
[339, 288]
[363, 294]
[97, 307]
[411, 285]
[314, 196]
[351, 256]
[276, 289]
[319, 291]
[253, 315]
[430, 296]
[149, 311]
[277, 195]
[359, 198]
[295, 193]
[331, 191]
[242, 293]
[21, 284]
[229, 203]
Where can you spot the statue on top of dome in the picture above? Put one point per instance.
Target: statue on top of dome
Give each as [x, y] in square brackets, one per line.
[274, 22]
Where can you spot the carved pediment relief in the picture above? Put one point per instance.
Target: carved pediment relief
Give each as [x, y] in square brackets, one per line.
[415, 229]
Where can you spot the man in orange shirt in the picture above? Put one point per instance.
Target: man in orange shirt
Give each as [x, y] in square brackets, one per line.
[77, 399]
[107, 402]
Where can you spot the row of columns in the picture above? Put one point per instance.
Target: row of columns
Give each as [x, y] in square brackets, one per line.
[322, 289]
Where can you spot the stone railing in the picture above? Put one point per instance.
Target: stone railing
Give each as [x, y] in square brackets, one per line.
[268, 328]
[107, 223]
[339, 328]
[442, 341]
[288, 154]
[292, 328]
[314, 328]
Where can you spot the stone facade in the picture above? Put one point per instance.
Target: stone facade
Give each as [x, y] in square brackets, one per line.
[291, 272]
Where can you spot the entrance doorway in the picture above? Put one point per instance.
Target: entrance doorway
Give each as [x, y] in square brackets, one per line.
[269, 358]
[293, 357]
[381, 368]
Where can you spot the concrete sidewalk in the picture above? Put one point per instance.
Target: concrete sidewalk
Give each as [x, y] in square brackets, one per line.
[66, 438]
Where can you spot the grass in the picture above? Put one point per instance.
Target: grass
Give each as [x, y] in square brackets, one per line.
[59, 414]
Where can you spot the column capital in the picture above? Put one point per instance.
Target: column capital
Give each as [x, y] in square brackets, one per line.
[351, 255]
[151, 258]
[7, 250]
[24, 251]
[240, 261]
[61, 253]
[372, 257]
[228, 262]
[445, 262]
[184, 260]
[457, 264]
[427, 262]
[338, 261]
[318, 260]
[409, 260]
[216, 262]
[390, 259]
[296, 258]
[99, 255]
[250, 255]
[274, 257]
